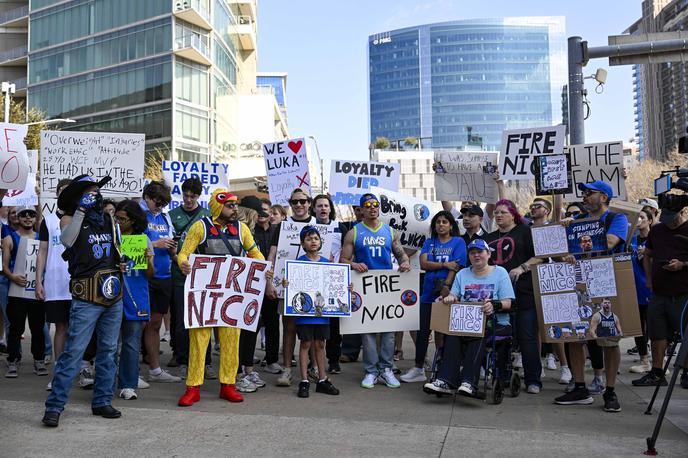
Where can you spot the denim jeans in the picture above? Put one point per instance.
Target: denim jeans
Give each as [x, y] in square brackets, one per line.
[527, 335]
[84, 317]
[128, 376]
[48, 340]
[375, 362]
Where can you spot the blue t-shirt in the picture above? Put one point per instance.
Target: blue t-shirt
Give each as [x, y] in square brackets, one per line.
[495, 286]
[373, 247]
[159, 227]
[452, 251]
[642, 291]
[312, 319]
[135, 299]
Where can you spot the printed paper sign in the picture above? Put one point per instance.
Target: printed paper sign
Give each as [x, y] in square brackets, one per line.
[383, 301]
[286, 163]
[467, 319]
[597, 161]
[460, 176]
[212, 175]
[317, 289]
[14, 162]
[552, 174]
[599, 277]
[224, 291]
[409, 216]
[520, 147]
[560, 308]
[27, 255]
[549, 240]
[556, 277]
[66, 154]
[27, 196]
[134, 248]
[586, 236]
[349, 180]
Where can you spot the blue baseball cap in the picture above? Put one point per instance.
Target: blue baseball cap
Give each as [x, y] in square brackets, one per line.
[599, 186]
[478, 244]
[308, 230]
[366, 197]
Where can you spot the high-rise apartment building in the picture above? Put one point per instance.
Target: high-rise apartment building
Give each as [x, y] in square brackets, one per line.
[461, 83]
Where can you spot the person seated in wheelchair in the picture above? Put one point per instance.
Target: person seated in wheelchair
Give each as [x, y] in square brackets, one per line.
[483, 283]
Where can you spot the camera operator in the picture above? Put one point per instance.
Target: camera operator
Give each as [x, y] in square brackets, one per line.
[666, 271]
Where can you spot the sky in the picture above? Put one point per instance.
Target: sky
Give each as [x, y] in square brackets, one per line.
[322, 45]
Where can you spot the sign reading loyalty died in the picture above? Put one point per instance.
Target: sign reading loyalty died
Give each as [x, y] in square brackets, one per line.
[460, 176]
[68, 154]
[383, 301]
[286, 164]
[14, 162]
[317, 289]
[409, 216]
[349, 180]
[553, 174]
[597, 161]
[463, 319]
[224, 291]
[520, 147]
[212, 175]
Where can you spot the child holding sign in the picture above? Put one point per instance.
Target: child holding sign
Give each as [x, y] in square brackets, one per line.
[312, 330]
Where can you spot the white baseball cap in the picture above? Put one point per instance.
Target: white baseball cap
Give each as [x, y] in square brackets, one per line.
[646, 202]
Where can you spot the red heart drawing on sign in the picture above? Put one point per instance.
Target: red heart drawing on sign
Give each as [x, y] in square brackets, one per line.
[295, 146]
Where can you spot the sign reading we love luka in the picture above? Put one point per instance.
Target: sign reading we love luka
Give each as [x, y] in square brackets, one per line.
[286, 166]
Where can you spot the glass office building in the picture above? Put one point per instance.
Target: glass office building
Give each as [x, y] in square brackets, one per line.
[457, 83]
[276, 83]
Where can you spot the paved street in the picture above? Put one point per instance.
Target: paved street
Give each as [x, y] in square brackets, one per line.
[381, 422]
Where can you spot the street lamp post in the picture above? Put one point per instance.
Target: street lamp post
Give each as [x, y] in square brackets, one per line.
[8, 89]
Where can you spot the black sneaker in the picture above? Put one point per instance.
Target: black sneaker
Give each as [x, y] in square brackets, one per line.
[611, 402]
[334, 368]
[632, 351]
[303, 389]
[650, 379]
[684, 379]
[326, 387]
[579, 396]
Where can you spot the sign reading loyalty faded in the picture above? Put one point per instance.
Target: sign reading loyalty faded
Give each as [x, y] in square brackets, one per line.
[224, 291]
[556, 277]
[98, 154]
[586, 236]
[409, 216]
[317, 289]
[520, 147]
[383, 301]
[211, 175]
[597, 161]
[14, 165]
[349, 180]
[286, 164]
[460, 175]
[552, 174]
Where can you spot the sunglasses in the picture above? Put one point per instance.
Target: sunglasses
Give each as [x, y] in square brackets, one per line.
[27, 215]
[536, 206]
[298, 201]
[589, 192]
[572, 214]
[371, 203]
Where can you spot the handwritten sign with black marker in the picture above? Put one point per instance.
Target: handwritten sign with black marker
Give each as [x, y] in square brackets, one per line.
[597, 161]
[520, 147]
[460, 175]
[549, 240]
[349, 180]
[286, 165]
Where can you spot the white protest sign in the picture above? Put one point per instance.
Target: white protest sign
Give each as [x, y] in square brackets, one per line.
[521, 146]
[224, 291]
[317, 289]
[14, 162]
[597, 161]
[407, 215]
[27, 196]
[286, 164]
[66, 154]
[552, 174]
[383, 301]
[289, 248]
[560, 308]
[549, 240]
[349, 180]
[27, 255]
[459, 176]
[556, 277]
[599, 277]
[467, 319]
[212, 175]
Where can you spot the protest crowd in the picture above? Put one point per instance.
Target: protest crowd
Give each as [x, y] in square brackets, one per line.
[501, 295]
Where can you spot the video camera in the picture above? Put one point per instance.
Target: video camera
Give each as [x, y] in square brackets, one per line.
[663, 184]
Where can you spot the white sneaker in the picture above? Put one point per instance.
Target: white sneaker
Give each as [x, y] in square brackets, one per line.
[254, 378]
[246, 386]
[210, 373]
[142, 384]
[369, 381]
[163, 377]
[466, 389]
[550, 362]
[128, 394]
[273, 368]
[285, 378]
[438, 386]
[566, 376]
[415, 374]
[597, 386]
[518, 361]
[389, 379]
[86, 378]
[640, 369]
[533, 389]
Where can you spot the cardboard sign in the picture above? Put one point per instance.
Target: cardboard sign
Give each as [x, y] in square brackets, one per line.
[383, 301]
[26, 196]
[14, 163]
[134, 248]
[349, 180]
[460, 176]
[597, 161]
[289, 248]
[407, 215]
[463, 319]
[27, 255]
[520, 147]
[286, 164]
[66, 154]
[553, 174]
[224, 291]
[317, 289]
[549, 240]
[631, 211]
[212, 175]
[586, 236]
[598, 276]
[566, 316]
[556, 277]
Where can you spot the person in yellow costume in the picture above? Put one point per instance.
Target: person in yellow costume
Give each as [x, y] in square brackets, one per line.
[222, 235]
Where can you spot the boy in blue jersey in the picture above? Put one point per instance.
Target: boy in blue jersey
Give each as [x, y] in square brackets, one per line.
[372, 243]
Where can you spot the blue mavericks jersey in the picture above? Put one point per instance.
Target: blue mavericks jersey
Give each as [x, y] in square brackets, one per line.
[373, 247]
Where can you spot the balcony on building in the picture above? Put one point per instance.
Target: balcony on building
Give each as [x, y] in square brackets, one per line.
[246, 32]
[194, 11]
[15, 17]
[243, 8]
[14, 57]
[20, 87]
[194, 47]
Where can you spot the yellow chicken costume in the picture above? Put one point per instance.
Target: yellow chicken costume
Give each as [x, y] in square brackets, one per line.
[208, 236]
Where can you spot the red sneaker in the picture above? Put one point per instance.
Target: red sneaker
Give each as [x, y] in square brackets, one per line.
[192, 395]
[230, 393]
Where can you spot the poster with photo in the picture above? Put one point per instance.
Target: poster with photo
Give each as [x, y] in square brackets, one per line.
[586, 236]
[317, 289]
